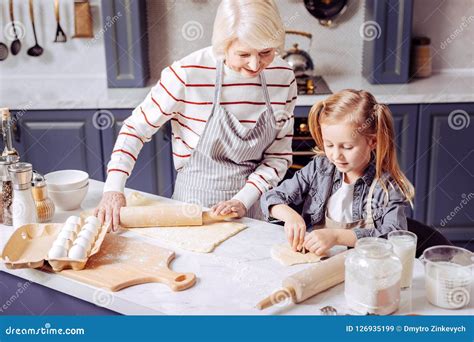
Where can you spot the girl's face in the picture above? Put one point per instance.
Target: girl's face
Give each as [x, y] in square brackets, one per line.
[247, 61]
[347, 149]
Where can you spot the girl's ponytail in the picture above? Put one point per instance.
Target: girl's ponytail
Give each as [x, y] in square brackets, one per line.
[315, 126]
[386, 153]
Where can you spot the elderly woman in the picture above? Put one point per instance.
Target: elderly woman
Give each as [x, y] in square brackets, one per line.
[231, 110]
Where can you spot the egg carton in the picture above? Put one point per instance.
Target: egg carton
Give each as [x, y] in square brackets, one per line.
[29, 245]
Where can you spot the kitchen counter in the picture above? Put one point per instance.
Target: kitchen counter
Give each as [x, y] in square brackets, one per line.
[231, 280]
[64, 93]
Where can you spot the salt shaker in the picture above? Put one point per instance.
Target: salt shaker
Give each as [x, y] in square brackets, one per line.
[44, 205]
[24, 207]
[6, 189]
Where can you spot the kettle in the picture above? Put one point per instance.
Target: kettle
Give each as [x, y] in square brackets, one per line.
[298, 59]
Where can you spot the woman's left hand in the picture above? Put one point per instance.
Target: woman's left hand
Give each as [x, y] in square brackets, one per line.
[319, 241]
[228, 207]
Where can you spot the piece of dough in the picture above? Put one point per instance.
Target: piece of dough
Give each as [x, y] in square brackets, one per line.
[203, 239]
[136, 199]
[287, 257]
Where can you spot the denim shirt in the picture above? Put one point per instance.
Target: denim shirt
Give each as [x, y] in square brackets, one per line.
[310, 188]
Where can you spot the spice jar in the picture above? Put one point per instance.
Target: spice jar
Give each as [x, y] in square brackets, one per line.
[372, 277]
[44, 205]
[6, 189]
[23, 206]
[421, 57]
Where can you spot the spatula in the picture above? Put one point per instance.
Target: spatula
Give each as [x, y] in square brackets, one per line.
[60, 35]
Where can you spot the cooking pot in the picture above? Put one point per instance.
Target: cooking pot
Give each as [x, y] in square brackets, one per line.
[326, 11]
[299, 59]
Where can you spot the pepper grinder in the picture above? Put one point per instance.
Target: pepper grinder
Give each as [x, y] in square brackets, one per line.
[6, 189]
[24, 207]
[44, 205]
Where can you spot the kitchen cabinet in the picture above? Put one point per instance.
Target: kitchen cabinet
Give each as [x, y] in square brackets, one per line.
[445, 169]
[126, 43]
[59, 139]
[154, 170]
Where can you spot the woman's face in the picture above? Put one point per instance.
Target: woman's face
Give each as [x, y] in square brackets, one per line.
[247, 61]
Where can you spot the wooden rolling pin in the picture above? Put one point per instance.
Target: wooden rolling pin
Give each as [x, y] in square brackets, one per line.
[168, 215]
[308, 282]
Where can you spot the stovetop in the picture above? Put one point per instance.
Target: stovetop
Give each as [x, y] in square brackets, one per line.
[312, 85]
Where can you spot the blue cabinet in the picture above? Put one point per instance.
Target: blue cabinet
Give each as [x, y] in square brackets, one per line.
[59, 139]
[154, 171]
[445, 169]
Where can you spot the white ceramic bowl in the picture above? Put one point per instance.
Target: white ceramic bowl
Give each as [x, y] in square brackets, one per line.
[66, 180]
[69, 200]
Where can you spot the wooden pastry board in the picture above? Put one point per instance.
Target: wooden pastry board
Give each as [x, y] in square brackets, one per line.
[122, 262]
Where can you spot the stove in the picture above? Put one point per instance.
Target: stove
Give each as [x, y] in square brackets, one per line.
[312, 85]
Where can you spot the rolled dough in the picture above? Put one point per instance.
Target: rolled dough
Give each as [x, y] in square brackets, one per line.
[203, 239]
[287, 257]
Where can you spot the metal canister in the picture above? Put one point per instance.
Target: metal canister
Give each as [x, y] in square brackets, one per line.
[24, 208]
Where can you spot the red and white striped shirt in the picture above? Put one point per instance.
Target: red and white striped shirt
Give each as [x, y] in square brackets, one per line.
[185, 94]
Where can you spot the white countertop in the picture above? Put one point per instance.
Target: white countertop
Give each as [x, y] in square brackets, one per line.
[64, 93]
[231, 280]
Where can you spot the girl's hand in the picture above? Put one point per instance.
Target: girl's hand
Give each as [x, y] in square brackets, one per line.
[108, 209]
[231, 206]
[295, 229]
[319, 241]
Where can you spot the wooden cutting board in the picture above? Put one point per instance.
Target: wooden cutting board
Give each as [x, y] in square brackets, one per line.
[122, 262]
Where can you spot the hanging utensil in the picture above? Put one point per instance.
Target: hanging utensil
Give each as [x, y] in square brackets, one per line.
[36, 50]
[83, 19]
[298, 59]
[3, 51]
[326, 10]
[60, 35]
[16, 44]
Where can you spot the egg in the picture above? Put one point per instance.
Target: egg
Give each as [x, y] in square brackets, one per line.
[67, 234]
[93, 220]
[87, 234]
[73, 219]
[91, 227]
[77, 252]
[62, 243]
[57, 252]
[72, 227]
[83, 242]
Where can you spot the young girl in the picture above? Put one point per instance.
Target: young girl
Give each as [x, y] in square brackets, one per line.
[354, 187]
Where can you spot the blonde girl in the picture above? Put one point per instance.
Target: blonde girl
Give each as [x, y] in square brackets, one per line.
[354, 187]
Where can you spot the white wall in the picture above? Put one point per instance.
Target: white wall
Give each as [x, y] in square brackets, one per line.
[335, 50]
[77, 58]
[450, 25]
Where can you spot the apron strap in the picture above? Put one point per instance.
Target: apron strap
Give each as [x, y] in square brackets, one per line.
[370, 195]
[263, 81]
[218, 87]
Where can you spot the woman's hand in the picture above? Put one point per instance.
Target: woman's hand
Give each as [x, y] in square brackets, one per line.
[231, 206]
[319, 241]
[108, 210]
[295, 229]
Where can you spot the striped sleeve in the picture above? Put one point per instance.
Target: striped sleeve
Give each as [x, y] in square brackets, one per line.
[160, 105]
[277, 157]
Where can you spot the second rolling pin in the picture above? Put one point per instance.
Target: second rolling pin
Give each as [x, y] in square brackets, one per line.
[168, 215]
[308, 282]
